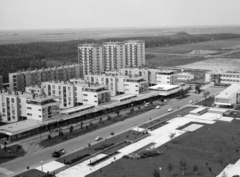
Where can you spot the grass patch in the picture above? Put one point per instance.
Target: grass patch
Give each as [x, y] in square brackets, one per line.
[211, 148]
[186, 48]
[206, 102]
[10, 153]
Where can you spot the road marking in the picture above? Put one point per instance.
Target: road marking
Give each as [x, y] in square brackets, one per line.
[6, 171]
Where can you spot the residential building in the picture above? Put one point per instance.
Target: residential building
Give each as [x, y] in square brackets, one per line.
[64, 90]
[90, 57]
[16, 106]
[135, 85]
[135, 53]
[166, 77]
[223, 78]
[113, 55]
[108, 80]
[19, 80]
[1, 82]
[35, 89]
[96, 95]
[42, 108]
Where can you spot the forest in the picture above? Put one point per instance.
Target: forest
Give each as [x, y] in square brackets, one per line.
[14, 57]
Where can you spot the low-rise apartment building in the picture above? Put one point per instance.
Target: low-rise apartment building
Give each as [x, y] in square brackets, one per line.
[96, 95]
[19, 80]
[135, 85]
[16, 106]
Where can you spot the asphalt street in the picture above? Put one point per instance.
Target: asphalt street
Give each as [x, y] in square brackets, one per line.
[35, 154]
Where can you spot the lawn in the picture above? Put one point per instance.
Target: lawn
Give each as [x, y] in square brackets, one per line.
[10, 153]
[186, 48]
[233, 55]
[86, 129]
[207, 102]
[107, 143]
[34, 173]
[210, 148]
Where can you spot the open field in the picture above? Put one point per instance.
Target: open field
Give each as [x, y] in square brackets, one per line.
[224, 64]
[48, 35]
[210, 148]
[221, 46]
[171, 60]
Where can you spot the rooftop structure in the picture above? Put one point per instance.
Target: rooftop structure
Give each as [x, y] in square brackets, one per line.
[165, 90]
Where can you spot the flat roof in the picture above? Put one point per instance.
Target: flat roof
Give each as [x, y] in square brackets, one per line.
[77, 108]
[15, 128]
[228, 92]
[123, 96]
[163, 86]
[195, 111]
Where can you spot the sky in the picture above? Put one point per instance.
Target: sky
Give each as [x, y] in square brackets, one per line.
[66, 14]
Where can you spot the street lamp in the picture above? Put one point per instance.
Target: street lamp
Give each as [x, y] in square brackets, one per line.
[42, 165]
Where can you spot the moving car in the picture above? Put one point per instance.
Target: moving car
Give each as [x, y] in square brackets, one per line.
[158, 107]
[59, 153]
[170, 109]
[190, 101]
[98, 138]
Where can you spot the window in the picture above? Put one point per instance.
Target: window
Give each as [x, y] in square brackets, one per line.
[40, 110]
[40, 116]
[85, 94]
[29, 114]
[12, 100]
[29, 108]
[85, 100]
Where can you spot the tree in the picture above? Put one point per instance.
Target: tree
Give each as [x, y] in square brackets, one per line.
[100, 119]
[236, 176]
[71, 129]
[171, 135]
[195, 169]
[183, 166]
[170, 168]
[49, 137]
[197, 87]
[156, 173]
[206, 94]
[60, 133]
[117, 112]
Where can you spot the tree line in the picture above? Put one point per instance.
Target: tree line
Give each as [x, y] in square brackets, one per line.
[14, 57]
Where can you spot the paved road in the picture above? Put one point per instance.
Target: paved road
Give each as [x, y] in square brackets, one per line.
[36, 155]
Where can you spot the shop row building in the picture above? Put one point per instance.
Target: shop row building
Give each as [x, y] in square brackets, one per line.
[97, 58]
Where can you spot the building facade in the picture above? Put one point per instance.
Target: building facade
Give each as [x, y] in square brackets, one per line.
[18, 81]
[90, 57]
[135, 85]
[16, 106]
[113, 55]
[135, 53]
[224, 78]
[1, 82]
[96, 95]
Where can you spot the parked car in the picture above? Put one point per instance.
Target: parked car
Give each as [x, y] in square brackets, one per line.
[146, 104]
[158, 107]
[57, 154]
[98, 138]
[170, 109]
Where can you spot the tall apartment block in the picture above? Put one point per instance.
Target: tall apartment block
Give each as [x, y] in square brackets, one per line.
[19, 80]
[135, 53]
[1, 82]
[113, 55]
[90, 57]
